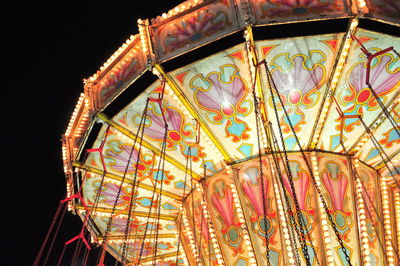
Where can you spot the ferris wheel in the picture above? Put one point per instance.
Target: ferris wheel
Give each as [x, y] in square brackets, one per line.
[243, 132]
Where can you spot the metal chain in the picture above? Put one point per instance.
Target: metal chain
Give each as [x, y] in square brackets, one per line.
[355, 173]
[379, 147]
[183, 198]
[275, 148]
[257, 116]
[339, 239]
[384, 109]
[290, 178]
[134, 190]
[123, 178]
[162, 158]
[152, 200]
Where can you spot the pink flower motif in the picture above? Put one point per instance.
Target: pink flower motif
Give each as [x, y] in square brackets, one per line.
[222, 94]
[177, 134]
[298, 80]
[384, 75]
[222, 199]
[109, 193]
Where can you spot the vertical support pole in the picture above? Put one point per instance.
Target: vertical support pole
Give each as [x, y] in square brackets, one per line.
[322, 213]
[387, 221]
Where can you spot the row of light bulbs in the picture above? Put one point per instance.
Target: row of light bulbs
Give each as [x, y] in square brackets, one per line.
[245, 232]
[322, 213]
[283, 221]
[362, 219]
[387, 221]
[335, 80]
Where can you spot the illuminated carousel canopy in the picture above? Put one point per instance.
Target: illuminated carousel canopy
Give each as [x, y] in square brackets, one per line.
[240, 132]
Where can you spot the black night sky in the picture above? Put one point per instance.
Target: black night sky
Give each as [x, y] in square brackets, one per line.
[50, 47]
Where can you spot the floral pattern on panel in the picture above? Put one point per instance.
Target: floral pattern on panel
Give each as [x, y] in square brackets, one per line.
[298, 78]
[193, 28]
[251, 186]
[181, 135]
[336, 184]
[117, 157]
[356, 97]
[117, 77]
[222, 200]
[223, 95]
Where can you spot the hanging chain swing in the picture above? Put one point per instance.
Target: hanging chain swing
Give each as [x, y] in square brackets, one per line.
[274, 88]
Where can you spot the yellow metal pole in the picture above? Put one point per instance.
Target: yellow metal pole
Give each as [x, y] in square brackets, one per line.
[119, 178]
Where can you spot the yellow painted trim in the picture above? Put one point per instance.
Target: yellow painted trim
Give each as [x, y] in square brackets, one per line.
[258, 77]
[136, 236]
[162, 256]
[146, 144]
[319, 125]
[192, 111]
[119, 178]
[135, 213]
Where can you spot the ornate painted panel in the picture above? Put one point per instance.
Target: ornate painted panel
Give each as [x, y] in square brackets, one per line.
[384, 9]
[352, 93]
[272, 11]
[182, 129]
[387, 138]
[307, 198]
[129, 67]
[219, 88]
[337, 186]
[249, 187]
[372, 201]
[145, 202]
[225, 218]
[203, 24]
[166, 248]
[300, 68]
[118, 160]
[199, 225]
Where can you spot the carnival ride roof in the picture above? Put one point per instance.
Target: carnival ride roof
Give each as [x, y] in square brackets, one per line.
[320, 74]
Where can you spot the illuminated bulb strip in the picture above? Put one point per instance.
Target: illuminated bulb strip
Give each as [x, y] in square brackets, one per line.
[246, 237]
[386, 221]
[397, 213]
[250, 56]
[144, 36]
[212, 235]
[373, 127]
[113, 58]
[75, 114]
[189, 233]
[322, 213]
[333, 83]
[69, 194]
[178, 9]
[362, 219]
